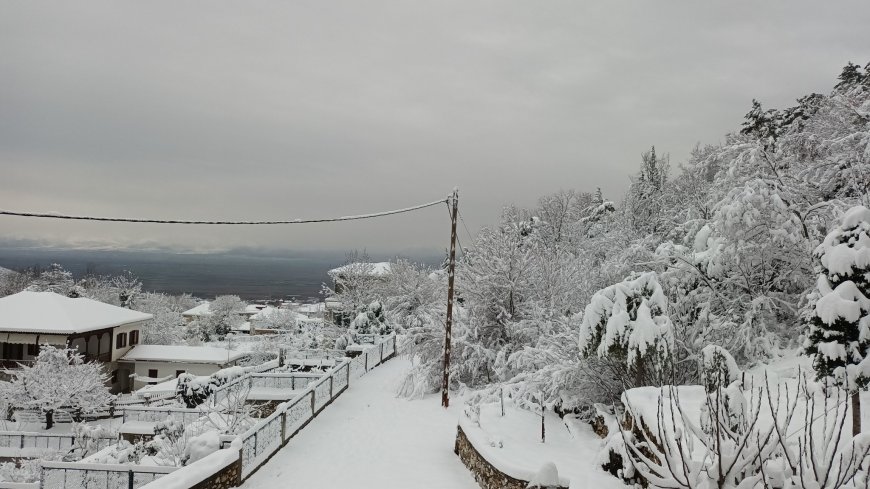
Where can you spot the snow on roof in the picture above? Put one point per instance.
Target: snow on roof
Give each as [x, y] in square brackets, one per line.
[200, 310]
[182, 354]
[255, 308]
[246, 326]
[372, 269]
[311, 308]
[263, 313]
[47, 312]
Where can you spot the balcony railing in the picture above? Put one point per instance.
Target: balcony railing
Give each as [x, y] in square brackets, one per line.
[6, 363]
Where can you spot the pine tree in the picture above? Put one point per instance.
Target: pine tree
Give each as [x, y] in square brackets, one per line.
[851, 76]
[839, 329]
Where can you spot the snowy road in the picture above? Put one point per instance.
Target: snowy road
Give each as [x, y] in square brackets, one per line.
[370, 439]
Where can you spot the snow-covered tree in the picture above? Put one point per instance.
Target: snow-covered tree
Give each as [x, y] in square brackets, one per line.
[357, 283]
[13, 282]
[167, 326]
[55, 279]
[628, 322]
[58, 379]
[839, 332]
[224, 314]
[277, 319]
[370, 320]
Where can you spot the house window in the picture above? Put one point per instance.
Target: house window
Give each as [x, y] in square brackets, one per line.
[121, 340]
[152, 372]
[33, 350]
[178, 372]
[134, 337]
[13, 351]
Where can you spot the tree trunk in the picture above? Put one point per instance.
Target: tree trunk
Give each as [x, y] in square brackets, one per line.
[639, 373]
[543, 428]
[49, 419]
[856, 413]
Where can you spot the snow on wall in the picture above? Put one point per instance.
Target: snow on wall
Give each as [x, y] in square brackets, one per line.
[220, 470]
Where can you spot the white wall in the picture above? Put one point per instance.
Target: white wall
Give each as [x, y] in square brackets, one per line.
[126, 328]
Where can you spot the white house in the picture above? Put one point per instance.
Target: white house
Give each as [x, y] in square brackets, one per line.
[196, 311]
[152, 362]
[203, 309]
[346, 275]
[100, 331]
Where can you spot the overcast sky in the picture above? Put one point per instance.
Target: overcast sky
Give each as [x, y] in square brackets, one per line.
[274, 110]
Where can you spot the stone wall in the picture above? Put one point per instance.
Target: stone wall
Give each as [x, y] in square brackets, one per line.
[486, 475]
[228, 477]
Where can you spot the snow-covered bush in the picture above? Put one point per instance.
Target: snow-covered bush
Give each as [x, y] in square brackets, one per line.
[201, 446]
[628, 322]
[787, 435]
[192, 391]
[718, 368]
[86, 439]
[26, 470]
[370, 320]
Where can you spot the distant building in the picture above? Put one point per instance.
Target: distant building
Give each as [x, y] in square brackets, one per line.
[151, 363]
[101, 332]
[196, 311]
[203, 310]
[353, 273]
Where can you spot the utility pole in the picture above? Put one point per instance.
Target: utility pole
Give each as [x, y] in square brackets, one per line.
[451, 269]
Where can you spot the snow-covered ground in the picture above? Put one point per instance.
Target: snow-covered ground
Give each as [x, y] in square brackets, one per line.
[512, 443]
[368, 438]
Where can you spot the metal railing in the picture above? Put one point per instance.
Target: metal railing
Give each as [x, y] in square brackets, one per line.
[257, 444]
[47, 441]
[71, 475]
[156, 414]
[373, 355]
[271, 433]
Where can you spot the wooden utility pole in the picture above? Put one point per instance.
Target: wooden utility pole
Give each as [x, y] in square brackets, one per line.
[451, 269]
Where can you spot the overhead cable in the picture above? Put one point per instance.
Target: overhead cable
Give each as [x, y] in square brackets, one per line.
[248, 223]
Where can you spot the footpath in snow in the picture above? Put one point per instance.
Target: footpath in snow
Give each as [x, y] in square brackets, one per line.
[368, 438]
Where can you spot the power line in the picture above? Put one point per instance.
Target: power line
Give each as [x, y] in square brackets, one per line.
[250, 223]
[458, 241]
[461, 219]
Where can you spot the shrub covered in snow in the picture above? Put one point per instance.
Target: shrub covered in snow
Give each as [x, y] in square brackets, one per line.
[370, 320]
[718, 368]
[769, 436]
[628, 322]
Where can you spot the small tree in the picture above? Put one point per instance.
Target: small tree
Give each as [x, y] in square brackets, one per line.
[839, 322]
[224, 314]
[370, 320]
[59, 378]
[55, 279]
[277, 319]
[627, 322]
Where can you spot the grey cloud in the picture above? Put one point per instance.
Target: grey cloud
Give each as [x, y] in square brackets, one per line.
[278, 109]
